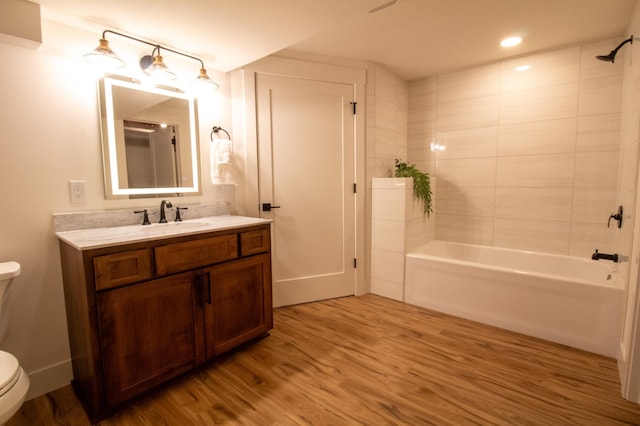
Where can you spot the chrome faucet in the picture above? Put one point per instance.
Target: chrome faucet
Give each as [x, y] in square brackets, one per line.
[163, 218]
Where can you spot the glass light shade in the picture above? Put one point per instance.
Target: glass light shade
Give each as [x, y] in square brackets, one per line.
[159, 71]
[204, 81]
[104, 56]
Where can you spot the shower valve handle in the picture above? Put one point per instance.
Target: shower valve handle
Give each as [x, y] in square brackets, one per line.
[617, 217]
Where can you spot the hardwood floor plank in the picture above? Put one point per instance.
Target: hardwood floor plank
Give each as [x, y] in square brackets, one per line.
[370, 360]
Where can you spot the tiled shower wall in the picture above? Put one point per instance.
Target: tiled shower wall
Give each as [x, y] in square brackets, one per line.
[530, 158]
[386, 137]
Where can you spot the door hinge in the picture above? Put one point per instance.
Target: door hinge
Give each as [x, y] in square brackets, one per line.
[354, 107]
[355, 262]
[354, 188]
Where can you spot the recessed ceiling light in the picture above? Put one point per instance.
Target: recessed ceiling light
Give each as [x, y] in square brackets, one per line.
[523, 68]
[511, 41]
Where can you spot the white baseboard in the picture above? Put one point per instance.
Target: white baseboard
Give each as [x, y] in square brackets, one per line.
[49, 378]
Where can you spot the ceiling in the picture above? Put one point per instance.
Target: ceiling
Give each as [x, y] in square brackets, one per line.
[413, 38]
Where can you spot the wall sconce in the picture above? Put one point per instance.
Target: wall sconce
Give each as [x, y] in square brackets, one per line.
[221, 148]
[153, 65]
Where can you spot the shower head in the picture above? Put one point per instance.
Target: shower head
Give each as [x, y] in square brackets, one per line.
[611, 57]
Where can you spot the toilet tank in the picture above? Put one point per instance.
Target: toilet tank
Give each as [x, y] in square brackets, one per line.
[8, 271]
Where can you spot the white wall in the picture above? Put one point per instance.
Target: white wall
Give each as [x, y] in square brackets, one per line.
[49, 134]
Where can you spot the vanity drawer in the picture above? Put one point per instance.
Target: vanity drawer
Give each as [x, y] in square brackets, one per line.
[254, 242]
[117, 269]
[178, 257]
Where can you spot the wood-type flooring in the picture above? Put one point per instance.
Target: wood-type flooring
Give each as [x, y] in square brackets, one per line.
[373, 361]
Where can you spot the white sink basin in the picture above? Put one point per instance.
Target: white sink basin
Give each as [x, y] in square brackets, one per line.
[171, 227]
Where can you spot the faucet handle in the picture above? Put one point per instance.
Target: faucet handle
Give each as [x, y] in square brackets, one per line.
[178, 218]
[145, 218]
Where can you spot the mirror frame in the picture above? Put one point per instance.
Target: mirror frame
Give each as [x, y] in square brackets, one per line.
[110, 156]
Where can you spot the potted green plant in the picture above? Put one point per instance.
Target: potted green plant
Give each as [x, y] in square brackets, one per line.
[421, 183]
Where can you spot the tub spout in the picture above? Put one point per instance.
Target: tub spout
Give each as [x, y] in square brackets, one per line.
[598, 256]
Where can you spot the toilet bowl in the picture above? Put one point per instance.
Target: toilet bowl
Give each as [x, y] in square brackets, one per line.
[14, 382]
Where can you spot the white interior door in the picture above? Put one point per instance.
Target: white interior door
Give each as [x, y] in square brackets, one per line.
[306, 169]
[163, 153]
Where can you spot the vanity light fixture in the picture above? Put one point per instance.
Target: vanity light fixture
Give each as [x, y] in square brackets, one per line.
[153, 64]
[104, 56]
[521, 68]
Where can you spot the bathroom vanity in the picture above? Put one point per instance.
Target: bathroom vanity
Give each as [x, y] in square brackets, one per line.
[148, 303]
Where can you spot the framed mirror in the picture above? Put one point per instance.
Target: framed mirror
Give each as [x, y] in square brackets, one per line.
[149, 140]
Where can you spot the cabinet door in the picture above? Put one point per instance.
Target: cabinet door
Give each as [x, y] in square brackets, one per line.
[149, 332]
[238, 304]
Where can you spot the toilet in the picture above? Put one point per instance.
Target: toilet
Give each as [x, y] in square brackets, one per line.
[14, 382]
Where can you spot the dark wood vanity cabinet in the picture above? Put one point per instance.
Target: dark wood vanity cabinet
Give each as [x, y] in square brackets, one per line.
[236, 303]
[149, 332]
[141, 314]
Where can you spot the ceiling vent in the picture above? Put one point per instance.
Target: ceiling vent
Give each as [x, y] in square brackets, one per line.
[383, 6]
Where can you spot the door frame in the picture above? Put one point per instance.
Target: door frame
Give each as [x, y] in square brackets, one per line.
[243, 99]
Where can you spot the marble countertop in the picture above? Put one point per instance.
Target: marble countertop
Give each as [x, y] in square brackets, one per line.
[85, 239]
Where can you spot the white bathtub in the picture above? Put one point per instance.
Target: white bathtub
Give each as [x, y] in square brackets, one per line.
[563, 299]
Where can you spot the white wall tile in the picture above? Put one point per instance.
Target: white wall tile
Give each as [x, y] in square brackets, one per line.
[385, 115]
[423, 93]
[468, 143]
[539, 137]
[418, 155]
[390, 290]
[464, 229]
[596, 169]
[587, 237]
[388, 235]
[554, 170]
[385, 84]
[388, 204]
[540, 103]
[474, 83]
[628, 163]
[467, 172]
[535, 235]
[468, 113]
[534, 203]
[419, 231]
[602, 95]
[547, 69]
[421, 121]
[593, 205]
[598, 133]
[387, 265]
[453, 200]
